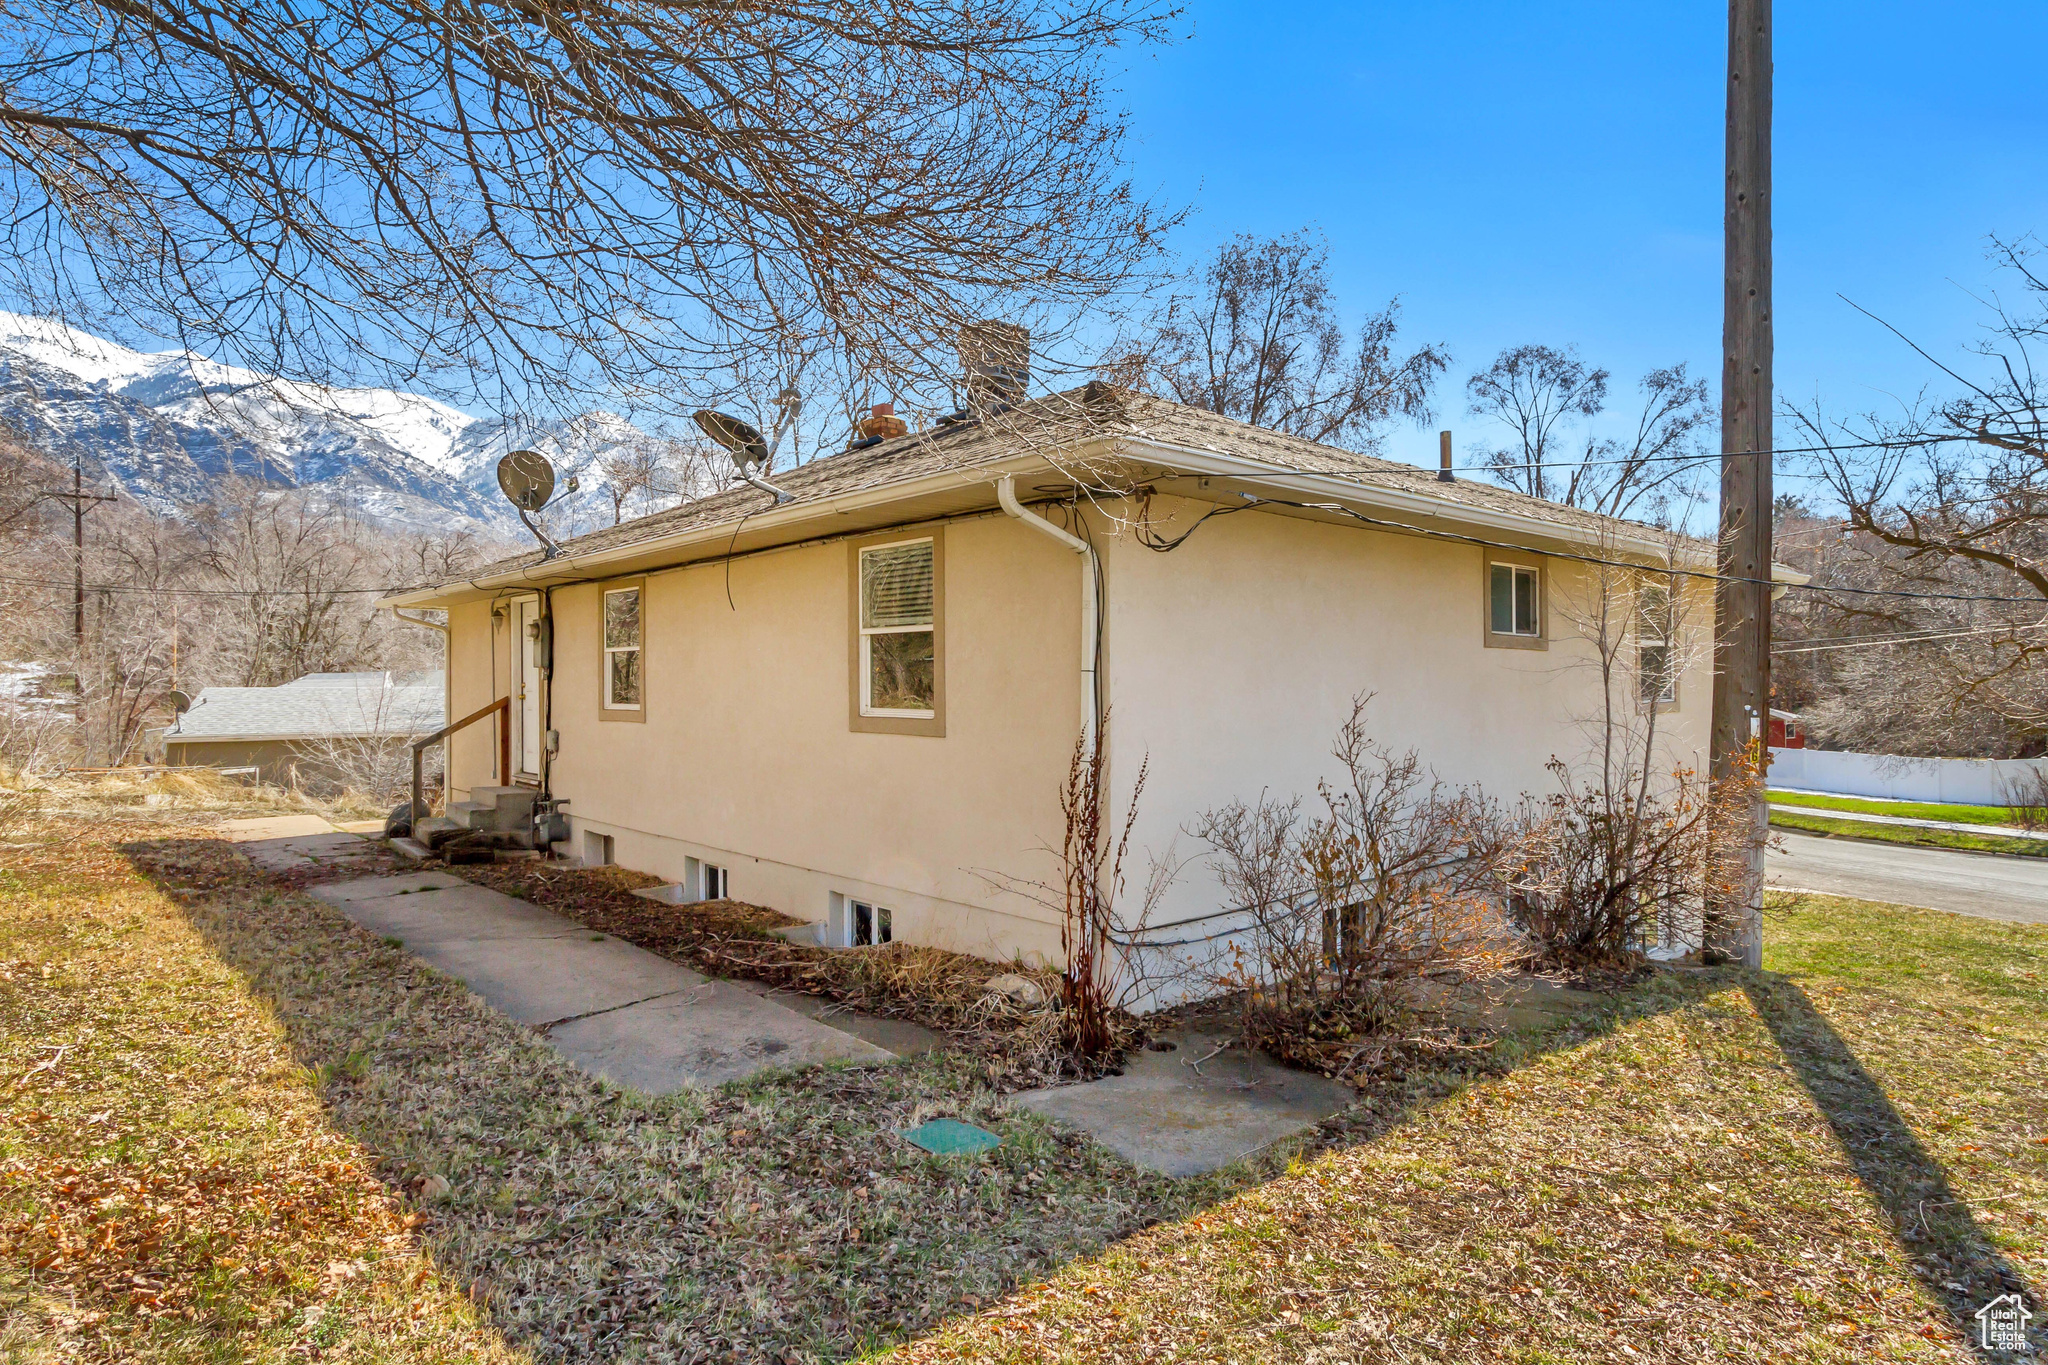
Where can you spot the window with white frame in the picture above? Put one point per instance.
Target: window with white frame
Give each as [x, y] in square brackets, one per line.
[898, 630]
[868, 925]
[1512, 601]
[1656, 656]
[622, 690]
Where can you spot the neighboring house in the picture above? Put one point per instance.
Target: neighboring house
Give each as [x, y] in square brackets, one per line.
[858, 706]
[301, 731]
[1788, 731]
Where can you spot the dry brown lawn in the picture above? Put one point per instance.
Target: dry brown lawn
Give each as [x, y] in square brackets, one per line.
[234, 1127]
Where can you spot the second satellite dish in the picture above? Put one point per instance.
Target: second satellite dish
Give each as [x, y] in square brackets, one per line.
[749, 448]
[527, 479]
[747, 445]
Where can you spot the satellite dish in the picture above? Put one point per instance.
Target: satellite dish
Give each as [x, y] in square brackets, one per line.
[747, 445]
[527, 479]
[180, 703]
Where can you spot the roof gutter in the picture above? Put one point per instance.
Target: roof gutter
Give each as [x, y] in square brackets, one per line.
[1355, 489]
[567, 568]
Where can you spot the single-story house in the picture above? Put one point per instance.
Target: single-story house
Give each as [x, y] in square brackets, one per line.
[297, 731]
[857, 703]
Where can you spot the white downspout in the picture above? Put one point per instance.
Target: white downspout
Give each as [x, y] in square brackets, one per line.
[1091, 573]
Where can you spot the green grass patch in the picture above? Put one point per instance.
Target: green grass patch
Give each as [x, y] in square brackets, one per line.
[1906, 834]
[1904, 810]
[1836, 1160]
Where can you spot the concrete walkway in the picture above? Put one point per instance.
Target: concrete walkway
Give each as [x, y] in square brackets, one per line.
[283, 843]
[1194, 1109]
[1867, 817]
[617, 1011]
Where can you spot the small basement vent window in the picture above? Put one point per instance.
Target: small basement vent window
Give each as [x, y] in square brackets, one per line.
[868, 925]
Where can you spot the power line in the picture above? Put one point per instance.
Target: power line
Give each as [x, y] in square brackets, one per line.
[209, 592]
[1708, 456]
[1906, 638]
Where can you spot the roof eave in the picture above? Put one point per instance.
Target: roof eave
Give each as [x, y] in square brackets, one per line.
[1356, 489]
[795, 516]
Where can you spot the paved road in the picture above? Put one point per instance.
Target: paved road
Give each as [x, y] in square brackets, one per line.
[1935, 878]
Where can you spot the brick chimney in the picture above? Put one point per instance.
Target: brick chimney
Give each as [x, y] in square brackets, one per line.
[995, 363]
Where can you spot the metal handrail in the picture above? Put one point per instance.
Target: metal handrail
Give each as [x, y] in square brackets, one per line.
[420, 747]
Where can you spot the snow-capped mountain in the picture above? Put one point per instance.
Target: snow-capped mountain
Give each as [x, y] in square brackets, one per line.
[166, 427]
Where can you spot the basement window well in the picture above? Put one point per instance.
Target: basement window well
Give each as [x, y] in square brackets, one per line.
[854, 923]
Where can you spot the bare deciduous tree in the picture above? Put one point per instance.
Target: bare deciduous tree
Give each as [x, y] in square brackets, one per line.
[1259, 340]
[1622, 855]
[1547, 397]
[566, 196]
[1946, 504]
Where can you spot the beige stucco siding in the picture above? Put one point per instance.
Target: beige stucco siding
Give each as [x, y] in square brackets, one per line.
[1235, 657]
[477, 670]
[1229, 664]
[746, 757]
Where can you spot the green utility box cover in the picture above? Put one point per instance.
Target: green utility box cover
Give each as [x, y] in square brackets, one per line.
[951, 1137]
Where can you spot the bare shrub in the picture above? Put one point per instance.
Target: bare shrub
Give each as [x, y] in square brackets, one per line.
[1595, 879]
[2027, 796]
[18, 807]
[1091, 880]
[1628, 850]
[35, 732]
[1100, 976]
[1360, 914]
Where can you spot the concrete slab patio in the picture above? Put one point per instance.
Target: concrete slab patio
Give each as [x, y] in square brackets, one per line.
[617, 1011]
[1195, 1109]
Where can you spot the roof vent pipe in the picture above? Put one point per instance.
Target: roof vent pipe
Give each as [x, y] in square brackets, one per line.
[1091, 578]
[1443, 459]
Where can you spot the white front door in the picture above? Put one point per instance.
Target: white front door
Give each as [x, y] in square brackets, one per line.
[526, 699]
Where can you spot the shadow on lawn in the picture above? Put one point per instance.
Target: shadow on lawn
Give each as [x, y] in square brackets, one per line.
[1954, 1259]
[777, 1220]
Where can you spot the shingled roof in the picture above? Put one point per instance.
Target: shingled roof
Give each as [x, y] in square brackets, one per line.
[318, 705]
[1081, 422]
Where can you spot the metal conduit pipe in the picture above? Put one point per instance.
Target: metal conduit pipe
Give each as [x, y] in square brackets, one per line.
[1091, 572]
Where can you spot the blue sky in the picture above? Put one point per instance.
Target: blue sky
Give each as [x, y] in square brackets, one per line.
[1524, 172]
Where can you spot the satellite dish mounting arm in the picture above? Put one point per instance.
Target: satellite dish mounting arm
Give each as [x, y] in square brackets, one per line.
[747, 472]
[548, 547]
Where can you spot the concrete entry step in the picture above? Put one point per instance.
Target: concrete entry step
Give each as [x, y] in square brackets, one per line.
[1195, 1109]
[617, 1011]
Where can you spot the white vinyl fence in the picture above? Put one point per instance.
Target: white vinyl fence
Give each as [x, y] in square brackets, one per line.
[1966, 781]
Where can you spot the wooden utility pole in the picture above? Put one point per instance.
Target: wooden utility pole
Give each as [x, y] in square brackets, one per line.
[81, 503]
[1742, 601]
